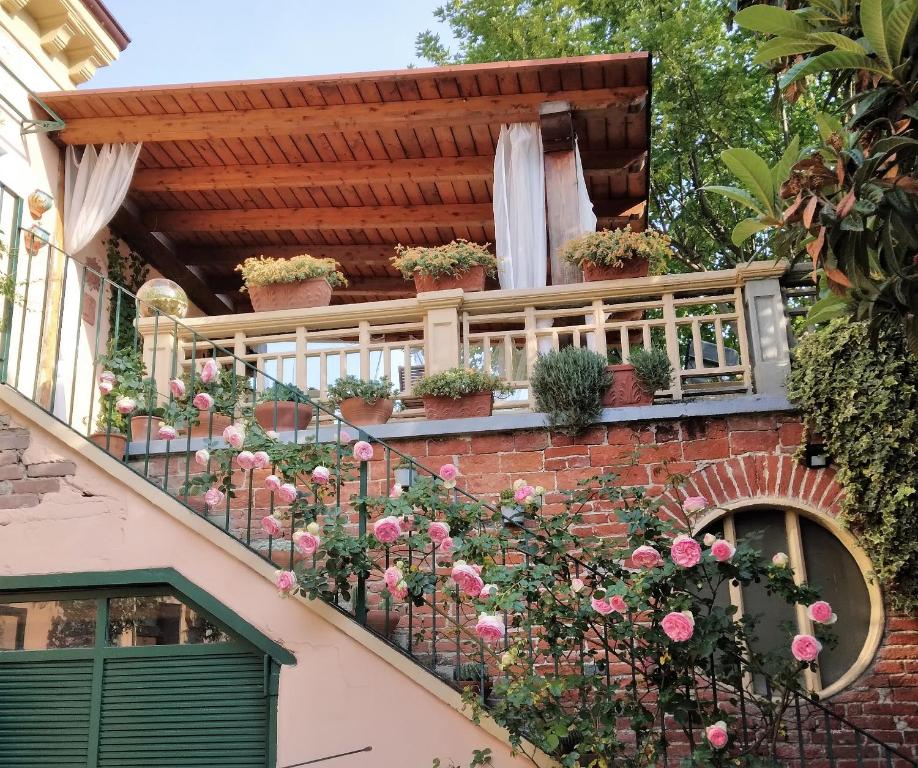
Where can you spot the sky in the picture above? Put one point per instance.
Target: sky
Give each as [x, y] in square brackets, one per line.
[182, 41]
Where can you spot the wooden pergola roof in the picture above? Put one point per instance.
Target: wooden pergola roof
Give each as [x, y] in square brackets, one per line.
[347, 166]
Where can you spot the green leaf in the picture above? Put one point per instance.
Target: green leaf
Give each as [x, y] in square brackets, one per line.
[782, 169]
[772, 21]
[829, 61]
[779, 47]
[841, 42]
[753, 172]
[827, 125]
[746, 229]
[735, 193]
[872, 24]
[827, 308]
[899, 24]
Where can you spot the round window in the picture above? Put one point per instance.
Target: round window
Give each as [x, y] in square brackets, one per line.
[819, 554]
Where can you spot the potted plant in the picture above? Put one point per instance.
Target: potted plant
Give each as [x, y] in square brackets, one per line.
[226, 390]
[363, 402]
[634, 382]
[295, 283]
[519, 501]
[122, 386]
[473, 676]
[615, 253]
[459, 264]
[568, 386]
[383, 622]
[459, 393]
[111, 440]
[283, 407]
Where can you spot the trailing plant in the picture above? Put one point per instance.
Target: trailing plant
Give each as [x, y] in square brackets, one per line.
[454, 258]
[864, 402]
[652, 369]
[458, 382]
[568, 386]
[849, 203]
[284, 393]
[614, 247]
[128, 380]
[269, 271]
[369, 391]
[128, 271]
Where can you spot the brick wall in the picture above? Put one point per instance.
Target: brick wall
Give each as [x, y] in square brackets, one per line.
[26, 479]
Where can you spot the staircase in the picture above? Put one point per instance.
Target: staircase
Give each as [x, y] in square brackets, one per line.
[62, 376]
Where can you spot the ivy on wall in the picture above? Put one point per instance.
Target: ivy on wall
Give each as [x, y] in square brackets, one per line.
[130, 272]
[864, 402]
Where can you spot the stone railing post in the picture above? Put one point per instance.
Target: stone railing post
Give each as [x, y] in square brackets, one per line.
[161, 351]
[441, 329]
[767, 324]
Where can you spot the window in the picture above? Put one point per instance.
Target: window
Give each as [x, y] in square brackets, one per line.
[45, 625]
[158, 620]
[818, 554]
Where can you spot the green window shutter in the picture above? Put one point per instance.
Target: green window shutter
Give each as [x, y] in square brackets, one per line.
[45, 712]
[184, 711]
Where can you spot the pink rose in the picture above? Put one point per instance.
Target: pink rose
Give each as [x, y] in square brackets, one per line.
[577, 585]
[717, 735]
[271, 525]
[108, 376]
[321, 475]
[438, 532]
[522, 493]
[214, 497]
[618, 604]
[709, 539]
[601, 605]
[262, 459]
[287, 493]
[468, 578]
[646, 556]
[124, 405]
[487, 590]
[363, 451]
[722, 550]
[395, 491]
[387, 529]
[821, 612]
[106, 387]
[685, 551]
[272, 482]
[306, 542]
[201, 457]
[446, 547]
[234, 436]
[285, 581]
[678, 626]
[246, 460]
[805, 647]
[392, 576]
[209, 371]
[166, 432]
[400, 590]
[780, 560]
[272, 434]
[694, 504]
[203, 401]
[490, 628]
[177, 387]
[449, 472]
[344, 437]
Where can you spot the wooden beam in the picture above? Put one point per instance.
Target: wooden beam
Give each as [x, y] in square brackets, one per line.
[623, 207]
[312, 174]
[608, 162]
[290, 121]
[160, 254]
[356, 217]
[369, 255]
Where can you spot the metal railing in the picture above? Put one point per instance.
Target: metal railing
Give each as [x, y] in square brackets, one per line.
[54, 346]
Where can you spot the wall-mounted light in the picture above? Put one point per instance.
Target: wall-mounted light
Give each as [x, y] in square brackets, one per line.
[39, 204]
[816, 453]
[404, 476]
[34, 239]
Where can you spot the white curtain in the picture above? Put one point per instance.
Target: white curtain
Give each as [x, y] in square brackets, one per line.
[519, 207]
[94, 188]
[587, 217]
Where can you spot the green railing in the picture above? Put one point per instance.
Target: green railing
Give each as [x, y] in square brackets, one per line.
[57, 344]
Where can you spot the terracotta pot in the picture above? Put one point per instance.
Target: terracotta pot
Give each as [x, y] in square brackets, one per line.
[211, 425]
[117, 444]
[301, 295]
[141, 424]
[359, 412]
[473, 280]
[631, 268]
[465, 407]
[625, 389]
[383, 622]
[475, 685]
[283, 415]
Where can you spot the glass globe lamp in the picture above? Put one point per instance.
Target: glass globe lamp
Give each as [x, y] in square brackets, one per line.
[164, 295]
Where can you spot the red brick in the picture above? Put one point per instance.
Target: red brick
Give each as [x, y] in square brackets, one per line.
[452, 445]
[11, 471]
[52, 469]
[478, 463]
[662, 452]
[751, 421]
[520, 462]
[595, 435]
[606, 455]
[569, 478]
[417, 449]
[571, 462]
[530, 441]
[706, 449]
[635, 475]
[628, 436]
[9, 457]
[753, 442]
[700, 428]
[661, 472]
[567, 450]
[486, 483]
[36, 485]
[18, 501]
[493, 443]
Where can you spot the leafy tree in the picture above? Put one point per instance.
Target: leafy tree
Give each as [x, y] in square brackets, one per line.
[704, 100]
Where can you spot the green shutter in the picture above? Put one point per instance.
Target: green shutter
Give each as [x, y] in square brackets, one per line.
[44, 712]
[184, 711]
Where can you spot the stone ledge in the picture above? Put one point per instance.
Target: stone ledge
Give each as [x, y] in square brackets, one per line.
[507, 422]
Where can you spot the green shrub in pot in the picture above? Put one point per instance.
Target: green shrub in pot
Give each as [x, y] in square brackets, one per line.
[568, 386]
[652, 369]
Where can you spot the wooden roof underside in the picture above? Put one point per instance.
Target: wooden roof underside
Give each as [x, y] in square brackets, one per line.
[350, 165]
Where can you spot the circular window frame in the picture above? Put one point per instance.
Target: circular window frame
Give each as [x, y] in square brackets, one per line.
[877, 613]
